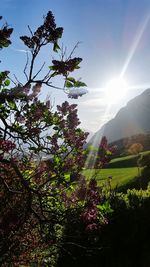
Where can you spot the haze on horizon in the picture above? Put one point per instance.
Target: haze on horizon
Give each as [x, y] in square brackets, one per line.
[115, 42]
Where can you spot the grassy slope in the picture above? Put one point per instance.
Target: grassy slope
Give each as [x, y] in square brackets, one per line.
[123, 171]
[120, 176]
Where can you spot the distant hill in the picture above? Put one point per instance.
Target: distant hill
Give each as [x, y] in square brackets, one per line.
[131, 120]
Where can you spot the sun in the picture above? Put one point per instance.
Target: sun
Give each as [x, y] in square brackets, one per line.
[115, 90]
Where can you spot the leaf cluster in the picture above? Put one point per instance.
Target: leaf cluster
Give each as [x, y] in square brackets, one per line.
[5, 34]
[41, 154]
[45, 34]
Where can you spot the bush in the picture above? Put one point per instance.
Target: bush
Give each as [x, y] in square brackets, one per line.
[129, 162]
[32, 207]
[124, 241]
[144, 160]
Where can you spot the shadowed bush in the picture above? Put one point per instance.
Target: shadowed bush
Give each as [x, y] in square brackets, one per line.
[124, 242]
[129, 162]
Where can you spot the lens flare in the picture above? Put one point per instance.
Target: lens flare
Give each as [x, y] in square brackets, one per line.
[116, 90]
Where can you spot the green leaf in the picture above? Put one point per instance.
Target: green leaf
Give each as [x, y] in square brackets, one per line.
[78, 60]
[105, 208]
[12, 104]
[56, 128]
[52, 67]
[57, 160]
[56, 47]
[77, 67]
[67, 177]
[79, 84]
[108, 152]
[63, 149]
[71, 79]
[69, 84]
[5, 43]
[7, 82]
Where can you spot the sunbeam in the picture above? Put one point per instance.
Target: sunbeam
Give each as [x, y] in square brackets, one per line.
[96, 140]
[135, 44]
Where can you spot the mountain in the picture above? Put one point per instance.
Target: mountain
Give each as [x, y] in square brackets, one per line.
[131, 120]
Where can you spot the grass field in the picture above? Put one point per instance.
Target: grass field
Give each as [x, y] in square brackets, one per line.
[123, 171]
[120, 177]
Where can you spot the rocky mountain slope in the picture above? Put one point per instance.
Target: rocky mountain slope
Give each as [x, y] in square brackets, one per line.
[132, 119]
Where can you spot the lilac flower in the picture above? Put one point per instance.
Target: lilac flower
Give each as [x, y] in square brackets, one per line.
[89, 215]
[91, 227]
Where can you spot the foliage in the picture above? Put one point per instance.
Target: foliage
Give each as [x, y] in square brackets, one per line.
[144, 160]
[38, 196]
[144, 163]
[123, 242]
[135, 148]
[5, 34]
[125, 143]
[124, 162]
[48, 208]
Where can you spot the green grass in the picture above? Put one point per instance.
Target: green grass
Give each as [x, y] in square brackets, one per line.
[120, 176]
[123, 170]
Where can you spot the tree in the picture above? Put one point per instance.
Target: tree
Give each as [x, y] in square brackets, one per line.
[144, 160]
[135, 149]
[34, 192]
[144, 163]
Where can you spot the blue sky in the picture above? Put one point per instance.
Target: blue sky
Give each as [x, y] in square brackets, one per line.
[114, 36]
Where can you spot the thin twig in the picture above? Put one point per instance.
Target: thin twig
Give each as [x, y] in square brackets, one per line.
[63, 53]
[30, 30]
[17, 80]
[38, 71]
[47, 76]
[73, 50]
[26, 66]
[12, 81]
[48, 84]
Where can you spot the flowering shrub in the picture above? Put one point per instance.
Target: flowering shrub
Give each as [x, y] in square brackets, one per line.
[88, 200]
[38, 194]
[6, 145]
[98, 158]
[104, 153]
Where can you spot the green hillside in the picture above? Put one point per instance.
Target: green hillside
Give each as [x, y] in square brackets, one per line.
[123, 172]
[120, 176]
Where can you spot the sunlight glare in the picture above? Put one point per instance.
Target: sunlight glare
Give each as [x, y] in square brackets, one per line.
[116, 90]
[135, 44]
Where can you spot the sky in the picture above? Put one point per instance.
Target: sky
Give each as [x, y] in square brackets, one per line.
[114, 38]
